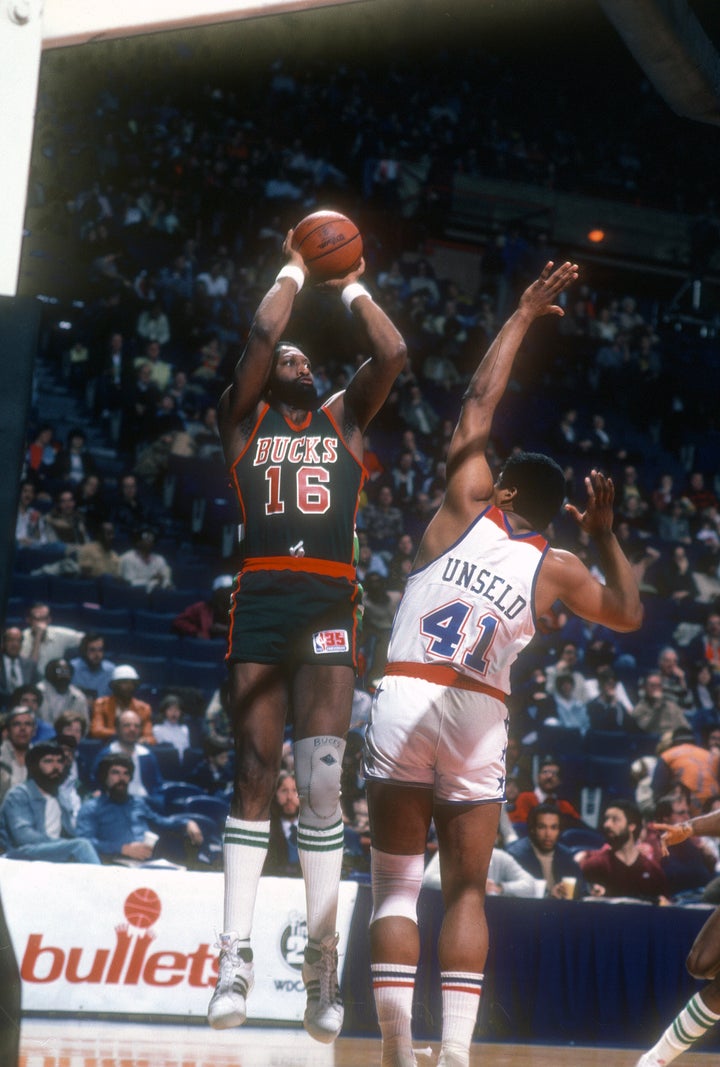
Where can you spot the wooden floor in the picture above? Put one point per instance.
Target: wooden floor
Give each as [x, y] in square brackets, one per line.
[87, 1043]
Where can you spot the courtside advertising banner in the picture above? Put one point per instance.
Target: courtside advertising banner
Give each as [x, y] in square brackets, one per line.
[120, 941]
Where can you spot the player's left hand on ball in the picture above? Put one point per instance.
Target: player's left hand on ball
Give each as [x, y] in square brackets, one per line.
[340, 283]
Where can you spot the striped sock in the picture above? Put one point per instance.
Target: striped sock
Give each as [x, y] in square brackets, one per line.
[320, 850]
[245, 846]
[693, 1021]
[393, 988]
[460, 1002]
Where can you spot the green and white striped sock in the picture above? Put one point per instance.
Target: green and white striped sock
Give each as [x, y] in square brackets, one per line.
[245, 846]
[693, 1021]
[320, 850]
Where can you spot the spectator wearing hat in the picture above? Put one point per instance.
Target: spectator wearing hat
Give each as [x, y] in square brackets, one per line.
[91, 671]
[207, 618]
[124, 682]
[35, 822]
[122, 826]
[214, 772]
[19, 726]
[59, 694]
[147, 780]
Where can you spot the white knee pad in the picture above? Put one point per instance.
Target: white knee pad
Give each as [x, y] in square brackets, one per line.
[396, 884]
[318, 765]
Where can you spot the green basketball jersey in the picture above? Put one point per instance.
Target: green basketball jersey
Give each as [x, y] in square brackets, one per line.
[298, 490]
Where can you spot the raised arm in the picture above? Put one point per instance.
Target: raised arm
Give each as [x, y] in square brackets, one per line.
[253, 369]
[368, 389]
[563, 576]
[469, 478]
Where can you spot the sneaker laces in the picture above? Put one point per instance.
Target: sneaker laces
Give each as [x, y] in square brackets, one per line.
[327, 968]
[232, 966]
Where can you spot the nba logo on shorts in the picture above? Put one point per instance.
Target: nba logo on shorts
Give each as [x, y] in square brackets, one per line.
[327, 641]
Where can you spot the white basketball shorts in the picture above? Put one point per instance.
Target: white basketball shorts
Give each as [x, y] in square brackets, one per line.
[452, 740]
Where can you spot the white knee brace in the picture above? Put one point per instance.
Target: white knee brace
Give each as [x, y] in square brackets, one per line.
[396, 884]
[318, 765]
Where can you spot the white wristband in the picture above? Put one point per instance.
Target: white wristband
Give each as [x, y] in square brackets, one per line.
[352, 292]
[291, 271]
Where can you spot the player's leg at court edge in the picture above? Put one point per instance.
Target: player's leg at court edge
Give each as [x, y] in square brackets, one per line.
[258, 701]
[322, 703]
[466, 835]
[400, 818]
[702, 1011]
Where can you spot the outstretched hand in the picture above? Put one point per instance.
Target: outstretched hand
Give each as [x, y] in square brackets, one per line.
[671, 834]
[538, 298]
[597, 519]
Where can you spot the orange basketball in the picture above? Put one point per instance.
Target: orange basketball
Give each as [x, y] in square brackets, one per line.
[330, 244]
[142, 908]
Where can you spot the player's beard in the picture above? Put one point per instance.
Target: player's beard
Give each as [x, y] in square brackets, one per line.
[296, 394]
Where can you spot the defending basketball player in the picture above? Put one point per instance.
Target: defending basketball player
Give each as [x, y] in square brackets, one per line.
[702, 1011]
[436, 742]
[298, 471]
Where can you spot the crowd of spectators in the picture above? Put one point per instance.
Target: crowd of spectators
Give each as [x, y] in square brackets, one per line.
[113, 638]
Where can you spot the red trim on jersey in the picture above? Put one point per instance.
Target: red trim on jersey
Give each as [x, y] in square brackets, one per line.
[308, 564]
[442, 674]
[297, 427]
[233, 471]
[331, 418]
[365, 475]
[497, 515]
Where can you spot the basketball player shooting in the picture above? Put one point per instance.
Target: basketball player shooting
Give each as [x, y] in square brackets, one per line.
[435, 747]
[297, 469]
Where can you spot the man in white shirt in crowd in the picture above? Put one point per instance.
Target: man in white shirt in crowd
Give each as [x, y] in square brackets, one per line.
[43, 641]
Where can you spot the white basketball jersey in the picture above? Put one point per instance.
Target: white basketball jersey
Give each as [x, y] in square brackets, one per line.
[472, 608]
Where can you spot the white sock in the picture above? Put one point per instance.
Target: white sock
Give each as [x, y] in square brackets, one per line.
[320, 850]
[393, 989]
[460, 1002]
[693, 1021]
[245, 846]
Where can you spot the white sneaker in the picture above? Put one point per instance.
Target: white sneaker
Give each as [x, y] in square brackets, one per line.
[406, 1057]
[324, 1011]
[649, 1061]
[235, 980]
[451, 1058]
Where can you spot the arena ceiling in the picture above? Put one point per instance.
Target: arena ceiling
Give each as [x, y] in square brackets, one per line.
[675, 43]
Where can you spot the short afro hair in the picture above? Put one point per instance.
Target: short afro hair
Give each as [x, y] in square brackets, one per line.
[113, 759]
[540, 485]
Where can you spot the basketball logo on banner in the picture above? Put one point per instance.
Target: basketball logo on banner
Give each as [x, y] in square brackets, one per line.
[142, 908]
[293, 940]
